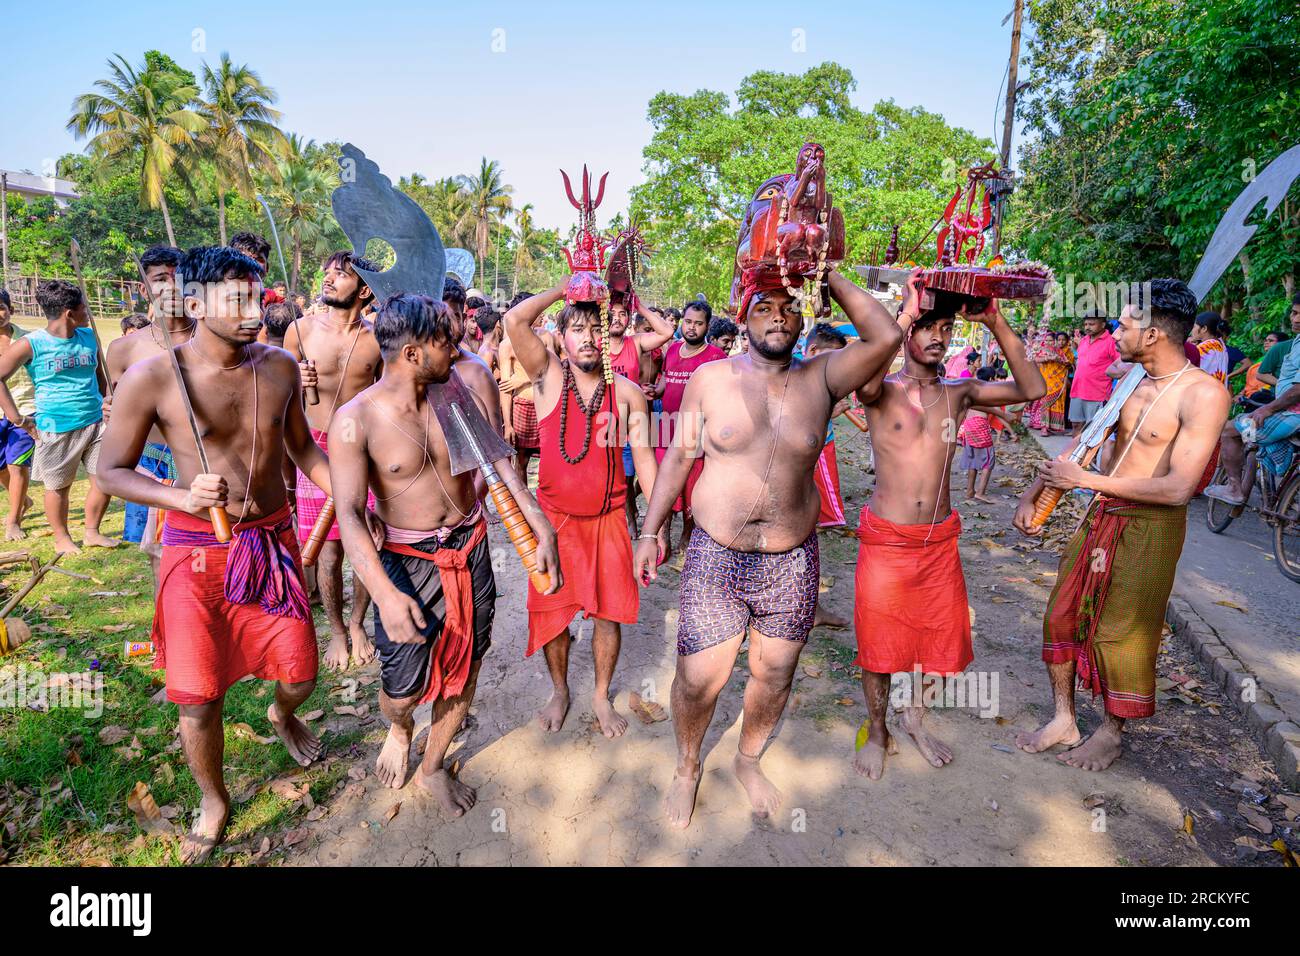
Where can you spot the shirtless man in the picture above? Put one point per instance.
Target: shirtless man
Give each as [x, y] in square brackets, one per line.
[759, 419]
[1106, 613]
[159, 262]
[580, 488]
[341, 359]
[910, 608]
[518, 411]
[387, 436]
[489, 324]
[472, 369]
[216, 620]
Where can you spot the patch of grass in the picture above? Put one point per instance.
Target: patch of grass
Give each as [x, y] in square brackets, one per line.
[64, 788]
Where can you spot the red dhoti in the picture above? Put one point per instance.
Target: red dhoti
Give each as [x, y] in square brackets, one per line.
[910, 607]
[596, 562]
[225, 611]
[827, 478]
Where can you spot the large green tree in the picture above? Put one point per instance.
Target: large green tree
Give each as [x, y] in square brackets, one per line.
[1145, 119]
[241, 135]
[889, 166]
[144, 112]
[488, 196]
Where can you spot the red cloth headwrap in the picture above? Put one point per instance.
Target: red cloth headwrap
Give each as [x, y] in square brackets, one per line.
[760, 279]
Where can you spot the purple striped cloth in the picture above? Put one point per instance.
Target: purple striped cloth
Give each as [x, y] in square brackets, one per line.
[260, 567]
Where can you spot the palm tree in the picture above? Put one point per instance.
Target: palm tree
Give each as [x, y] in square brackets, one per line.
[241, 134]
[489, 201]
[145, 110]
[300, 194]
[528, 243]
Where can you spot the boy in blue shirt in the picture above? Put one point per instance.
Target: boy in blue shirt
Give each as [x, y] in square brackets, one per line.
[61, 360]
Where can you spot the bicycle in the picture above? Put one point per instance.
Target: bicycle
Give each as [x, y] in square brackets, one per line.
[1279, 507]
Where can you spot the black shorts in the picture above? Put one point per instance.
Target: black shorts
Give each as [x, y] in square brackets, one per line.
[404, 668]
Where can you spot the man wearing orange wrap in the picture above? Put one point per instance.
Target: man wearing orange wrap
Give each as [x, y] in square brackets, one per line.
[910, 610]
[224, 610]
[582, 489]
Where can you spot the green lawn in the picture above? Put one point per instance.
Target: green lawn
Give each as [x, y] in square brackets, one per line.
[63, 789]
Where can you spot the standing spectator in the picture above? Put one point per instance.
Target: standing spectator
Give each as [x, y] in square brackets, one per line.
[1209, 343]
[1095, 353]
[722, 333]
[276, 319]
[62, 361]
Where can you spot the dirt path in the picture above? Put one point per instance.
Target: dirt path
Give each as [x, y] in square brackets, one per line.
[575, 797]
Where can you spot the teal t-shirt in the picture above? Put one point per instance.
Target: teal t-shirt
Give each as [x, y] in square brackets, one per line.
[63, 376]
[1272, 361]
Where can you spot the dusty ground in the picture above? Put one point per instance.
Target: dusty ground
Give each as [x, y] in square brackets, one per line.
[575, 797]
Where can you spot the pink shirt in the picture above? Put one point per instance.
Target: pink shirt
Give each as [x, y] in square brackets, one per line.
[678, 371]
[1095, 356]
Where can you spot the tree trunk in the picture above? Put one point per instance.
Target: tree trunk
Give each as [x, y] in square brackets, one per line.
[297, 258]
[221, 214]
[167, 220]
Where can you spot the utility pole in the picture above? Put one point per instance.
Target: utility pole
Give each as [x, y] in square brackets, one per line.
[1009, 117]
[4, 228]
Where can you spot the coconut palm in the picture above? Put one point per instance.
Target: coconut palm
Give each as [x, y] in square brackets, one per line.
[300, 195]
[241, 134]
[529, 243]
[142, 110]
[489, 201]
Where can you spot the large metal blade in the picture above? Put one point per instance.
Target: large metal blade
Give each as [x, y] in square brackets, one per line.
[1094, 433]
[1269, 187]
[465, 445]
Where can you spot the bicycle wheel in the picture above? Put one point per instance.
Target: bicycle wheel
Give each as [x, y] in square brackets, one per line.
[1286, 532]
[1219, 514]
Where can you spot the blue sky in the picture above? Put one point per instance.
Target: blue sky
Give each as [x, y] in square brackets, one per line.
[419, 87]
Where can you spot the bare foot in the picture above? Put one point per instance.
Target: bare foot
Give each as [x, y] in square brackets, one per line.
[96, 540]
[935, 751]
[1097, 752]
[1061, 729]
[363, 649]
[454, 797]
[823, 617]
[870, 760]
[390, 768]
[14, 532]
[302, 744]
[336, 655]
[198, 844]
[65, 546]
[551, 717]
[679, 802]
[612, 723]
[763, 796]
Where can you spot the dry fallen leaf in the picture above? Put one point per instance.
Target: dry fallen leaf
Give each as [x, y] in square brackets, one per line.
[244, 730]
[141, 803]
[1233, 605]
[293, 837]
[347, 710]
[313, 715]
[113, 734]
[1255, 819]
[812, 671]
[393, 811]
[646, 711]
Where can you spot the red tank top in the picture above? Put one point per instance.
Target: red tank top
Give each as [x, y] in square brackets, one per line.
[627, 362]
[580, 489]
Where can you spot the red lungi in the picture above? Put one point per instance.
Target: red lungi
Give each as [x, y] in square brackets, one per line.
[596, 561]
[310, 499]
[207, 642]
[910, 608]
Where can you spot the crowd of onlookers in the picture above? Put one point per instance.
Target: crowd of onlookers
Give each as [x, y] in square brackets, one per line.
[51, 387]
